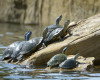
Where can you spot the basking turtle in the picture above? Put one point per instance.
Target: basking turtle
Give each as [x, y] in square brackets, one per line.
[58, 34]
[26, 48]
[57, 59]
[70, 63]
[9, 50]
[50, 28]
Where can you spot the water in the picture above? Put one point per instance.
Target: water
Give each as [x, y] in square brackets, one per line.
[10, 33]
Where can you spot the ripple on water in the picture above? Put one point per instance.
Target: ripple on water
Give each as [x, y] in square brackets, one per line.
[9, 33]
[42, 79]
[69, 78]
[17, 77]
[2, 46]
[2, 72]
[94, 75]
[52, 74]
[11, 66]
[78, 78]
[1, 35]
[25, 69]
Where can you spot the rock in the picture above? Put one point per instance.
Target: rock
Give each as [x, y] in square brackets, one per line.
[45, 12]
[13, 11]
[86, 64]
[85, 40]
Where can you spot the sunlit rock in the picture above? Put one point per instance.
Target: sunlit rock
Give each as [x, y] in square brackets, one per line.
[46, 11]
[85, 40]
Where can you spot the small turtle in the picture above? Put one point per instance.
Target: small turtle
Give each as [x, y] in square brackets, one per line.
[70, 63]
[26, 48]
[9, 50]
[58, 34]
[57, 59]
[50, 28]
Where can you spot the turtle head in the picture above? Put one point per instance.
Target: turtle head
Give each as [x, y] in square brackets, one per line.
[66, 24]
[58, 19]
[76, 56]
[27, 35]
[64, 50]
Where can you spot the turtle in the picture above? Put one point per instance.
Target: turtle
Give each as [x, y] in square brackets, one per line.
[57, 59]
[58, 34]
[25, 49]
[50, 28]
[70, 63]
[9, 50]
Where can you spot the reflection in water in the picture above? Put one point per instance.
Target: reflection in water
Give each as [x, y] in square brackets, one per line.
[10, 33]
[13, 32]
[1, 35]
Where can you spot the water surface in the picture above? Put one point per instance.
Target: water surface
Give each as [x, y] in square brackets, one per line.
[10, 33]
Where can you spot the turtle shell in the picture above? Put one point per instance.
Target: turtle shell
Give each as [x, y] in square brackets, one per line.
[53, 36]
[56, 60]
[49, 29]
[26, 48]
[69, 64]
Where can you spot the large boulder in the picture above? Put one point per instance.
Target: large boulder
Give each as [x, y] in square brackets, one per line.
[85, 40]
[46, 11]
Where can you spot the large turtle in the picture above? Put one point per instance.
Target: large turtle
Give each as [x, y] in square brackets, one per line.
[50, 28]
[26, 48]
[57, 59]
[9, 50]
[58, 34]
[70, 63]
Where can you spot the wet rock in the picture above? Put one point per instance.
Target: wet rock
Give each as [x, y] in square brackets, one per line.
[85, 40]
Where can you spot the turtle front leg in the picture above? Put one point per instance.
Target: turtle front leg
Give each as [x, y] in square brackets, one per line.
[20, 58]
[13, 60]
[9, 60]
[43, 45]
[69, 32]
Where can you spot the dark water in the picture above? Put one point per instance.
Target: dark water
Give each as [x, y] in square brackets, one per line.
[10, 33]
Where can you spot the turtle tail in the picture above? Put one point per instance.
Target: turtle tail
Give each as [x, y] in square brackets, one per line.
[76, 56]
